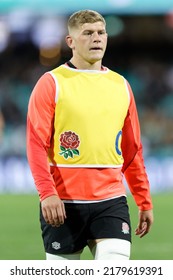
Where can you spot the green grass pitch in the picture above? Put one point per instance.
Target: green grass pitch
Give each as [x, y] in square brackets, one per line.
[20, 235]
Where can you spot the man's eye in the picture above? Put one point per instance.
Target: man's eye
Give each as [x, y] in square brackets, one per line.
[102, 32]
[88, 33]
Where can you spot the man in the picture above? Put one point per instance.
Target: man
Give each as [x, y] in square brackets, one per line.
[82, 135]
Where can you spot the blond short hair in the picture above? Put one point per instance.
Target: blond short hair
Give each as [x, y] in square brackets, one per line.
[84, 16]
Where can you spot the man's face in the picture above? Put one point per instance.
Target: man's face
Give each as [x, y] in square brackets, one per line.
[88, 42]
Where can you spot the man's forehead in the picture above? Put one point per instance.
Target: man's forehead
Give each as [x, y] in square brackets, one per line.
[99, 25]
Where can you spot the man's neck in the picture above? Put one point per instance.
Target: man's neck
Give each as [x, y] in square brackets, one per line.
[86, 65]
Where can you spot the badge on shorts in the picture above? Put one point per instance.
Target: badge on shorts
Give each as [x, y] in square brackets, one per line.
[56, 245]
[125, 228]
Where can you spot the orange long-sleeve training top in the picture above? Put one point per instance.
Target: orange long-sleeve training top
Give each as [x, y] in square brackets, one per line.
[82, 184]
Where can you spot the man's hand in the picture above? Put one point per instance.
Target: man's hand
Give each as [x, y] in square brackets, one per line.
[145, 222]
[53, 210]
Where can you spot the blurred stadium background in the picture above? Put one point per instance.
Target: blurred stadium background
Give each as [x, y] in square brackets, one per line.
[140, 47]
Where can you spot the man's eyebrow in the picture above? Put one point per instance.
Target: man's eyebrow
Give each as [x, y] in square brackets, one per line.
[91, 30]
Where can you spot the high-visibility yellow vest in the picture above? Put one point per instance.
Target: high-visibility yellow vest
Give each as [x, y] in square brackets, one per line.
[89, 115]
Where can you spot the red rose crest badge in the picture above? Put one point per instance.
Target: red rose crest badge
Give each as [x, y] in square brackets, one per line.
[69, 142]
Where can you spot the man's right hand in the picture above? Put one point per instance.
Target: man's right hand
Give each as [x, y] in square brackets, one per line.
[53, 210]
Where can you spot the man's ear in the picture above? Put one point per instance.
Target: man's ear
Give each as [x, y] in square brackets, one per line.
[69, 41]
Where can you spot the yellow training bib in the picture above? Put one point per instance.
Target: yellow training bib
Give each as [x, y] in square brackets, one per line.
[89, 116]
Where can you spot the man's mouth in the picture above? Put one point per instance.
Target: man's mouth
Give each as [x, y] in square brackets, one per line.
[95, 49]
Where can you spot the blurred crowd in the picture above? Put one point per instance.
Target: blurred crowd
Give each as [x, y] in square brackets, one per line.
[146, 62]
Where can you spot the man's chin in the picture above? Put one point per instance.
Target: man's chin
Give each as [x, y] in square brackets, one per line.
[95, 59]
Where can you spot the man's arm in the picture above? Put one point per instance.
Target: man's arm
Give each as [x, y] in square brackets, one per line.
[39, 131]
[134, 168]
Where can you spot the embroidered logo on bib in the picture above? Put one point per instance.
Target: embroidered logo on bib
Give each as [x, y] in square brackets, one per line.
[69, 142]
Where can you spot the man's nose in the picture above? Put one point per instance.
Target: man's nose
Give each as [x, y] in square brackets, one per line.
[96, 36]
